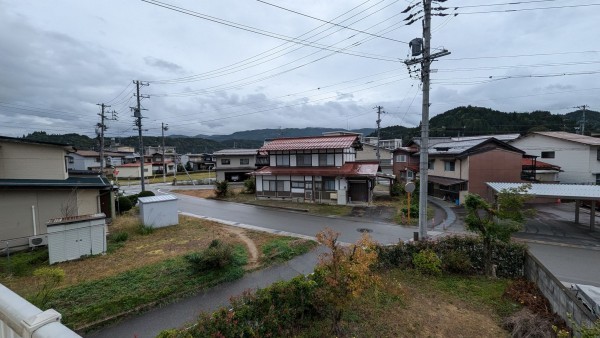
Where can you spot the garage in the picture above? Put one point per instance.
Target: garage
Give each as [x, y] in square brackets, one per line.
[358, 191]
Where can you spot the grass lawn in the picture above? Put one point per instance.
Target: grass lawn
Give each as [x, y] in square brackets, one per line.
[408, 304]
[144, 270]
[159, 178]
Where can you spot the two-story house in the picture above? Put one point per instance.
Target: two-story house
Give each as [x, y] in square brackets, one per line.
[316, 169]
[235, 165]
[90, 160]
[35, 186]
[578, 156]
[463, 165]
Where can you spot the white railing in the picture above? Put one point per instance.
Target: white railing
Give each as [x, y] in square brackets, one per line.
[21, 319]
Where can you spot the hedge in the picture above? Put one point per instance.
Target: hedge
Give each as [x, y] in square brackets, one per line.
[509, 257]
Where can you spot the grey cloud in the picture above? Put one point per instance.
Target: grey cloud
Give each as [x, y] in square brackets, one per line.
[163, 65]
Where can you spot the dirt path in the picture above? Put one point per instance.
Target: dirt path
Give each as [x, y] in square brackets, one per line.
[252, 249]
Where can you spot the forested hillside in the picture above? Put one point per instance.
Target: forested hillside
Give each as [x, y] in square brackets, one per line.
[468, 121]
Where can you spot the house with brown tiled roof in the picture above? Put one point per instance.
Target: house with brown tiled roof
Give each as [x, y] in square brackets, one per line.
[458, 166]
[578, 156]
[320, 169]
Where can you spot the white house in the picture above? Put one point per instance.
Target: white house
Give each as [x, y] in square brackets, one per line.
[234, 164]
[577, 155]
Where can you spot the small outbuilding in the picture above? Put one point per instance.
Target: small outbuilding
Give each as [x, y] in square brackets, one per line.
[158, 211]
[73, 237]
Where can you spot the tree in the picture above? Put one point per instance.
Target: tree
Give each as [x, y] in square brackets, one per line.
[344, 274]
[496, 222]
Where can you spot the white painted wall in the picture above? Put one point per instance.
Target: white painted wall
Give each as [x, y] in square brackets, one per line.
[578, 161]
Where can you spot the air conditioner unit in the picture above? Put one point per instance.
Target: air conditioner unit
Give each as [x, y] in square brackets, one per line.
[40, 240]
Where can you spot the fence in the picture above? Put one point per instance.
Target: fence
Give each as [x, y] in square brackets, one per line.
[21, 319]
[563, 301]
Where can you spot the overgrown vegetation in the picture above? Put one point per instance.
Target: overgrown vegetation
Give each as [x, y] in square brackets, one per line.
[427, 262]
[284, 248]
[221, 189]
[47, 280]
[217, 256]
[250, 185]
[22, 263]
[496, 222]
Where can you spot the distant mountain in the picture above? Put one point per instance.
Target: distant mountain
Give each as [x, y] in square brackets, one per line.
[263, 134]
[470, 120]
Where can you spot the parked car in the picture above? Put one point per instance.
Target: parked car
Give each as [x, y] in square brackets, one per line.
[589, 296]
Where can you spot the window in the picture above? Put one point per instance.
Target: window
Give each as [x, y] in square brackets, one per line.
[304, 160]
[269, 186]
[280, 186]
[401, 158]
[409, 174]
[297, 184]
[308, 185]
[70, 158]
[245, 161]
[326, 160]
[547, 154]
[329, 184]
[225, 161]
[598, 154]
[431, 165]
[449, 165]
[283, 160]
[97, 159]
[597, 179]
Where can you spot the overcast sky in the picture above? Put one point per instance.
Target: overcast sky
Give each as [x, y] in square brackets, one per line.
[60, 58]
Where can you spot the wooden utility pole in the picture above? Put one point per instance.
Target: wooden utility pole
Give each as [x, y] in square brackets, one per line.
[137, 113]
[163, 128]
[425, 62]
[102, 128]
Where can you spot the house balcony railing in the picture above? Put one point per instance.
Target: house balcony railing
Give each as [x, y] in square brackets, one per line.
[21, 319]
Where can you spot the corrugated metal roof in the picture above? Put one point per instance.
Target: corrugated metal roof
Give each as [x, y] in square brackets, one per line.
[563, 135]
[158, 198]
[349, 169]
[313, 142]
[236, 152]
[573, 191]
[71, 182]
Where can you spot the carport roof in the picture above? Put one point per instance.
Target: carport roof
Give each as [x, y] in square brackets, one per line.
[569, 191]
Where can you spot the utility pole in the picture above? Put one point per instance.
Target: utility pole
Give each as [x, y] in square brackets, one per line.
[137, 113]
[422, 46]
[102, 127]
[583, 108]
[379, 111]
[163, 128]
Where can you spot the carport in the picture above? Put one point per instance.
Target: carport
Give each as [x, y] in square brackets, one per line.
[577, 192]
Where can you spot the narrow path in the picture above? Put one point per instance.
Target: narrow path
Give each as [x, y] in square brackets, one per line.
[252, 249]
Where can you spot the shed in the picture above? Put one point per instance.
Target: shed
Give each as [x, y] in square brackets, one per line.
[158, 211]
[73, 237]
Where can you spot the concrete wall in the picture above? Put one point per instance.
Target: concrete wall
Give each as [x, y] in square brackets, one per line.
[562, 300]
[578, 161]
[17, 218]
[27, 161]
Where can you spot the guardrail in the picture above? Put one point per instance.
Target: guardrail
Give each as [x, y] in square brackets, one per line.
[21, 319]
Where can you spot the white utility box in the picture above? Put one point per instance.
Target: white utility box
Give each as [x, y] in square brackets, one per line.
[71, 238]
[158, 211]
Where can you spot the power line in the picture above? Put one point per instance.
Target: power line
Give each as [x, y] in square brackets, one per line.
[329, 22]
[525, 9]
[261, 32]
[518, 55]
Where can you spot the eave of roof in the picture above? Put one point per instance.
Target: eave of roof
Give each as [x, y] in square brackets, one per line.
[67, 147]
[563, 135]
[349, 169]
[71, 182]
[571, 191]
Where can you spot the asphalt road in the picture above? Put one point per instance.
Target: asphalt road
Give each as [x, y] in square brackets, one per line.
[569, 264]
[292, 222]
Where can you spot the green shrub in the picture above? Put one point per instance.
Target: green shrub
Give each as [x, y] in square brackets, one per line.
[145, 229]
[428, 262]
[250, 185]
[47, 280]
[397, 189]
[133, 198]
[221, 188]
[457, 262]
[123, 204]
[414, 210]
[119, 237]
[146, 193]
[508, 257]
[217, 256]
[276, 311]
